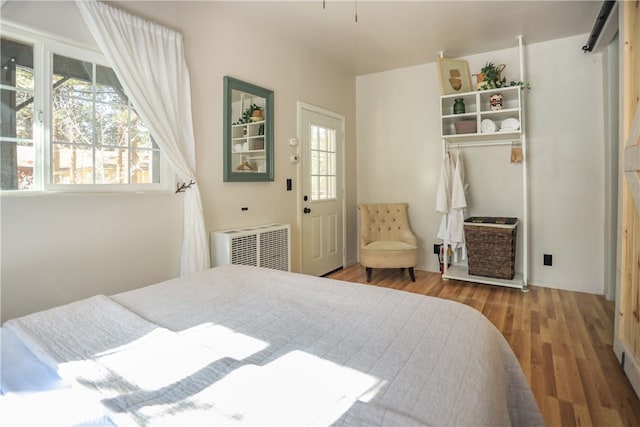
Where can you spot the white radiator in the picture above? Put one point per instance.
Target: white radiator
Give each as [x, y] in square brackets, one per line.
[262, 246]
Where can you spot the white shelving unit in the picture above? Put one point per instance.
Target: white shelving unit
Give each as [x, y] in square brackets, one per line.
[248, 153]
[247, 145]
[477, 108]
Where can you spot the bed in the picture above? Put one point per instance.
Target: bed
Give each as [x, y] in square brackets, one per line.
[238, 345]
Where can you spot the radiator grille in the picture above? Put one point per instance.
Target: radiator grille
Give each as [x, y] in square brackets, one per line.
[263, 246]
[244, 250]
[274, 249]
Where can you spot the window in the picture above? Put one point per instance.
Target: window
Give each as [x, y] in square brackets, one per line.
[78, 130]
[323, 163]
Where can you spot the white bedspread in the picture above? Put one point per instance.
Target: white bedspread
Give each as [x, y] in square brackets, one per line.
[249, 346]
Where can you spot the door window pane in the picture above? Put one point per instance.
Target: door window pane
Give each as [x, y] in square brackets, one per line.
[323, 161]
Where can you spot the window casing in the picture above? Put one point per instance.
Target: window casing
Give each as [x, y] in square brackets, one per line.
[67, 124]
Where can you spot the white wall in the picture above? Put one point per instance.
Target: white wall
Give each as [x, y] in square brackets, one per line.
[399, 153]
[216, 46]
[59, 248]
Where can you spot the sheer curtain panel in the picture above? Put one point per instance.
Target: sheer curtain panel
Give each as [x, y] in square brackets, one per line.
[149, 61]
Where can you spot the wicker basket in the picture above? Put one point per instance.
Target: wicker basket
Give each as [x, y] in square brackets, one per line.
[491, 246]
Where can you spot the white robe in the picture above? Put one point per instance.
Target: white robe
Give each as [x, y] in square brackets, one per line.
[443, 195]
[451, 202]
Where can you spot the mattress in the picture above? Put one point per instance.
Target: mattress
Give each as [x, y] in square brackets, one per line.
[238, 345]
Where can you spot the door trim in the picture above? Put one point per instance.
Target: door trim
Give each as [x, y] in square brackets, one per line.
[300, 106]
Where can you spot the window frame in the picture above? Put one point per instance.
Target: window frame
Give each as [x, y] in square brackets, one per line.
[44, 47]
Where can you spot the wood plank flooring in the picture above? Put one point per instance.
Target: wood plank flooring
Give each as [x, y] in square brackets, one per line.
[563, 340]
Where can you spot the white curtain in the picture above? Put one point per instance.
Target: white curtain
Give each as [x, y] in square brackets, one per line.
[149, 62]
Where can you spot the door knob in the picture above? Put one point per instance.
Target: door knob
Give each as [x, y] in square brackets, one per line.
[307, 210]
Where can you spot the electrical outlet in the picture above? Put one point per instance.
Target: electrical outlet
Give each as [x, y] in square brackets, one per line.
[547, 259]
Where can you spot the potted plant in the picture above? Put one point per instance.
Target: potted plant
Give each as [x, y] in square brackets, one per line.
[252, 111]
[490, 77]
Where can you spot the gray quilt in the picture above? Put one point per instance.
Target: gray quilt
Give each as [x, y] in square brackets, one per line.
[249, 346]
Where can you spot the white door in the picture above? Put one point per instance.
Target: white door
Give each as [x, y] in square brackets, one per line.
[322, 137]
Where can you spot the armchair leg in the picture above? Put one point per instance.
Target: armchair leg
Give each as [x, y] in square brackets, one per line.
[369, 269]
[413, 276]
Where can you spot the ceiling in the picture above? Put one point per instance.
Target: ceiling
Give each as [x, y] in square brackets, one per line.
[395, 34]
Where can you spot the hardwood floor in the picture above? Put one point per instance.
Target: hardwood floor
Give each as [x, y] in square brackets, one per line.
[563, 340]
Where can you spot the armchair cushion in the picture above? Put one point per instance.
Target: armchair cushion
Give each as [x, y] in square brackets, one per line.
[389, 245]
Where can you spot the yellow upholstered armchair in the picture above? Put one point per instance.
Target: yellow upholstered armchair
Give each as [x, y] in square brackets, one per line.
[386, 239]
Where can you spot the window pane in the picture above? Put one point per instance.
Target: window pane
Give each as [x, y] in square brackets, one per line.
[72, 120]
[144, 167]
[314, 163]
[111, 125]
[322, 163]
[331, 187]
[72, 77]
[71, 164]
[111, 166]
[17, 114]
[24, 78]
[17, 152]
[331, 141]
[17, 58]
[323, 188]
[22, 155]
[24, 122]
[26, 160]
[322, 139]
[331, 163]
[314, 188]
[139, 136]
[314, 137]
[108, 88]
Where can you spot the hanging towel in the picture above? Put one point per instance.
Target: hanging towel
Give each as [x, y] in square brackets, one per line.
[458, 203]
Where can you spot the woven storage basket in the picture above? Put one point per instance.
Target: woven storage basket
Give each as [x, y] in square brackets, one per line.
[491, 246]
